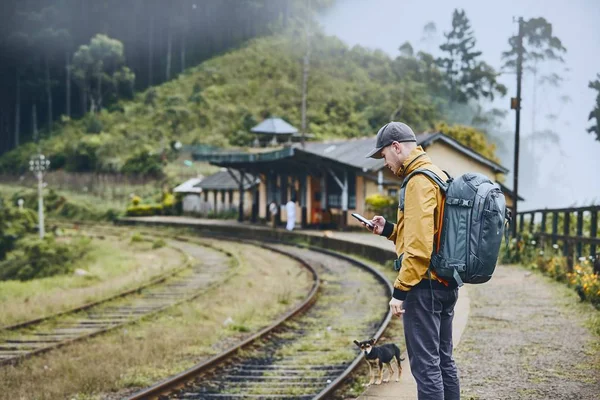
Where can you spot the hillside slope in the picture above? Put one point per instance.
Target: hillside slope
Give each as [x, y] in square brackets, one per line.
[351, 92]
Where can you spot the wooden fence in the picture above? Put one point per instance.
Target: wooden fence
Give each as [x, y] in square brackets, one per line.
[106, 186]
[574, 238]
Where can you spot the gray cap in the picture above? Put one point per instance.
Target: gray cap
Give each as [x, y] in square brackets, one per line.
[391, 132]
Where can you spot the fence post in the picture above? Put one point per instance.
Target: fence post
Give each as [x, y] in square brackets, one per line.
[554, 226]
[567, 249]
[566, 231]
[593, 231]
[579, 232]
[543, 230]
[521, 219]
[531, 221]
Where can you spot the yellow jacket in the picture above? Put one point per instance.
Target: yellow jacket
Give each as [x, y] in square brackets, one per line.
[415, 231]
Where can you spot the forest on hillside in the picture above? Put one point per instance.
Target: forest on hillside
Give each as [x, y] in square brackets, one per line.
[39, 41]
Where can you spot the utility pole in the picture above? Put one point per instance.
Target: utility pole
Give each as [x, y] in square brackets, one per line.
[305, 70]
[515, 103]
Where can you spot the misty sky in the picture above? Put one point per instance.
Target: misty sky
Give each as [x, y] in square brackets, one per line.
[563, 180]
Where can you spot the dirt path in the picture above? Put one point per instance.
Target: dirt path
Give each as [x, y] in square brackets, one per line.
[527, 339]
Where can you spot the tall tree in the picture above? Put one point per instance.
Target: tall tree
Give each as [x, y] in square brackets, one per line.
[183, 21]
[170, 29]
[21, 43]
[466, 76]
[429, 36]
[98, 68]
[150, 44]
[305, 69]
[539, 45]
[47, 37]
[203, 29]
[595, 113]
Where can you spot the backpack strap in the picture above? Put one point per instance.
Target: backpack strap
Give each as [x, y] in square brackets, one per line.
[443, 185]
[431, 175]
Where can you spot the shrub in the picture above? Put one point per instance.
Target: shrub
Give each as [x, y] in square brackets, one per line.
[523, 250]
[585, 282]
[158, 243]
[17, 160]
[144, 163]
[143, 210]
[136, 238]
[93, 124]
[82, 156]
[59, 206]
[168, 204]
[39, 258]
[385, 206]
[14, 223]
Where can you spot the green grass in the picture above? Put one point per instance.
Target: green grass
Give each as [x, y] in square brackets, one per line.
[88, 205]
[113, 265]
[164, 344]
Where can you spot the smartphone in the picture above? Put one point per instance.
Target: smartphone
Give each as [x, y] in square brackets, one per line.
[363, 219]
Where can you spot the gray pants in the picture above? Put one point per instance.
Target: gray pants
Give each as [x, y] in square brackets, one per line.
[429, 342]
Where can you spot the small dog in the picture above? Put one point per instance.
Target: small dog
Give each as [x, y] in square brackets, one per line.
[378, 356]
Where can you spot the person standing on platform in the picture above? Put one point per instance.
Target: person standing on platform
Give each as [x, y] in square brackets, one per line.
[290, 209]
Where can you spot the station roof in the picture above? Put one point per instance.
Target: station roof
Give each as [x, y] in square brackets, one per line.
[223, 180]
[340, 153]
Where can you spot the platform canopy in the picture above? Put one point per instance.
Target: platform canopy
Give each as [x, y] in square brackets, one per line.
[315, 156]
[274, 126]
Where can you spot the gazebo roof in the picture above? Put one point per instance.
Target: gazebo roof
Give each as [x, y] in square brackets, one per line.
[274, 126]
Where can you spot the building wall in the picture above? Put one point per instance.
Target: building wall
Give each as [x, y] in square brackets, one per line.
[236, 201]
[192, 203]
[361, 192]
[445, 157]
[456, 163]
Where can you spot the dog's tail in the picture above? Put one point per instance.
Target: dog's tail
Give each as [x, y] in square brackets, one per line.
[397, 354]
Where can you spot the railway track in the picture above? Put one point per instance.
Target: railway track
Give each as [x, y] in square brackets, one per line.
[304, 357]
[211, 267]
[305, 354]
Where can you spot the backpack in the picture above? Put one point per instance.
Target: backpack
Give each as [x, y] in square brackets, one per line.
[474, 217]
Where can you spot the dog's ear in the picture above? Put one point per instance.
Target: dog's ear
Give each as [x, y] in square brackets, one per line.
[356, 343]
[373, 341]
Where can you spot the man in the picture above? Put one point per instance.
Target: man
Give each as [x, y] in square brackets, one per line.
[290, 209]
[426, 301]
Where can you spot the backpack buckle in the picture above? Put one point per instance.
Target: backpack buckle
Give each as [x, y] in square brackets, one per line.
[398, 262]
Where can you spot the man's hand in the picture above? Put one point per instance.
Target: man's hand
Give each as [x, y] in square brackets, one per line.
[378, 224]
[396, 307]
